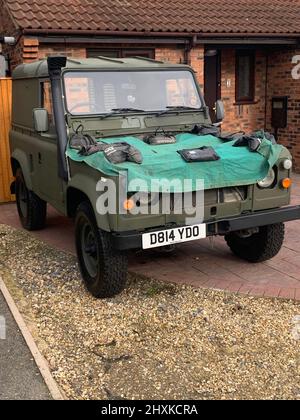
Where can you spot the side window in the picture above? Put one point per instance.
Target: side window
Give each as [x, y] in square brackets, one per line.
[47, 99]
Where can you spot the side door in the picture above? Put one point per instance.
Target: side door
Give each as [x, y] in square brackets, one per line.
[50, 186]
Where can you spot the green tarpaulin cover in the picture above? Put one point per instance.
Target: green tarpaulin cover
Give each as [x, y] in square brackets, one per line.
[238, 165]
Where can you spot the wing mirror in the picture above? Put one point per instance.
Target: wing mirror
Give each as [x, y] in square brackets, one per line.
[41, 120]
[220, 111]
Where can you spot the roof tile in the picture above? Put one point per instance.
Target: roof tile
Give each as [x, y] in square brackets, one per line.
[194, 16]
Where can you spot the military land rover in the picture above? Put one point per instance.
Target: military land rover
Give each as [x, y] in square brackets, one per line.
[86, 132]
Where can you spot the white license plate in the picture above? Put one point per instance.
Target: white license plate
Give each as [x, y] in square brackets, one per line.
[174, 236]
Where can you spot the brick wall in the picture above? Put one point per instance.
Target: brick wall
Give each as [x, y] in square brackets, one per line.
[243, 117]
[177, 56]
[238, 117]
[28, 49]
[7, 27]
[75, 51]
[170, 55]
[273, 78]
[281, 83]
[197, 62]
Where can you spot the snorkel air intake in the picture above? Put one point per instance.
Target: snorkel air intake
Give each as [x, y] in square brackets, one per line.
[55, 64]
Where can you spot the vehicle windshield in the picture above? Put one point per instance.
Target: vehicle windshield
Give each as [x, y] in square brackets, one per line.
[105, 92]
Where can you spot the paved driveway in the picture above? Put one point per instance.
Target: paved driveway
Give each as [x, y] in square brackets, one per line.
[207, 263]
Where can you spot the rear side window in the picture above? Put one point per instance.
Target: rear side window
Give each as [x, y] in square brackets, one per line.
[46, 97]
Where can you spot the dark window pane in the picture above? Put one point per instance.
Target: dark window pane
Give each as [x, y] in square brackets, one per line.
[244, 77]
[91, 53]
[245, 67]
[120, 53]
[139, 53]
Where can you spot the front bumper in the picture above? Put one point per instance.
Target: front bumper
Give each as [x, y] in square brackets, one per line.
[133, 239]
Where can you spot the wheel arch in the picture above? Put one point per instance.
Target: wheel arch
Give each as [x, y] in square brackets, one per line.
[75, 197]
[20, 160]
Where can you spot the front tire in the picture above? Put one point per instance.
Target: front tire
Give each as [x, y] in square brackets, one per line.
[32, 210]
[103, 269]
[261, 246]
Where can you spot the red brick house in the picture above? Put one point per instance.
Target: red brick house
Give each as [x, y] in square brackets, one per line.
[244, 52]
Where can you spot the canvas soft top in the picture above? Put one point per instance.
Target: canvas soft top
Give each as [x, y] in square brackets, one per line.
[39, 69]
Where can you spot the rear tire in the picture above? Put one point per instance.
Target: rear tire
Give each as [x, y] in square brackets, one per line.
[32, 210]
[261, 246]
[103, 269]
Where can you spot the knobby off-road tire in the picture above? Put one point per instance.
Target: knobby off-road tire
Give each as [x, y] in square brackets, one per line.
[259, 247]
[104, 270]
[32, 210]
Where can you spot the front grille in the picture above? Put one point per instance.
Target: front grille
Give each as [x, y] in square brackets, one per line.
[225, 195]
[211, 197]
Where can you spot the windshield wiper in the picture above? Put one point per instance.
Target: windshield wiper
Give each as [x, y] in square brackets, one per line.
[116, 111]
[177, 108]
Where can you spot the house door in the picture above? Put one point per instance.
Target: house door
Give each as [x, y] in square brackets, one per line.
[212, 80]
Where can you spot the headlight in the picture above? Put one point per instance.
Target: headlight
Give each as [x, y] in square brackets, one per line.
[287, 164]
[143, 198]
[268, 181]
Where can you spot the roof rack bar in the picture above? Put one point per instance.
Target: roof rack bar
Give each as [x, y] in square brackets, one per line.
[71, 60]
[112, 60]
[137, 57]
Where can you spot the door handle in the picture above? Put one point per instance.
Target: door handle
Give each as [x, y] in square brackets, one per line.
[40, 158]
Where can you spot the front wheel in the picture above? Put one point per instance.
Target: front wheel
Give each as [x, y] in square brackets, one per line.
[104, 270]
[261, 246]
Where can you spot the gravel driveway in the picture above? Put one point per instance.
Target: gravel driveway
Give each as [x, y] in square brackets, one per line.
[156, 340]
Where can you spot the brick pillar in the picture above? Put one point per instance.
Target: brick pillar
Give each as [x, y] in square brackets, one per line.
[282, 83]
[197, 62]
